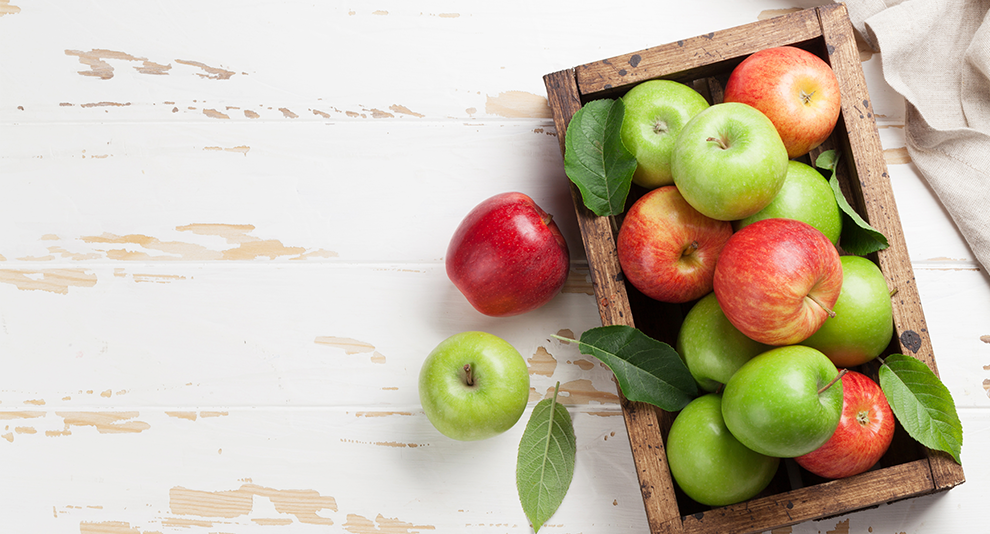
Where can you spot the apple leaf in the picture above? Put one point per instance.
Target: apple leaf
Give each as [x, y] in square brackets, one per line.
[647, 370]
[922, 404]
[545, 464]
[858, 237]
[595, 158]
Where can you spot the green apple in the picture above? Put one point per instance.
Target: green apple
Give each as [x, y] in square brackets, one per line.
[708, 462]
[785, 402]
[656, 110]
[863, 324]
[806, 196]
[711, 347]
[729, 161]
[474, 385]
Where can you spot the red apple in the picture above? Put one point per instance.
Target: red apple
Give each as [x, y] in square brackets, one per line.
[508, 256]
[865, 431]
[777, 280]
[796, 89]
[668, 249]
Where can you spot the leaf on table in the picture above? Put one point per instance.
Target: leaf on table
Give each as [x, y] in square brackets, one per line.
[647, 370]
[545, 464]
[858, 237]
[922, 404]
[595, 158]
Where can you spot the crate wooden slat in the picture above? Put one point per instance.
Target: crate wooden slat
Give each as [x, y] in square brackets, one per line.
[908, 470]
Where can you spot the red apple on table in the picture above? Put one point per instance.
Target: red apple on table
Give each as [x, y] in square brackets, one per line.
[865, 431]
[668, 249]
[777, 280]
[507, 256]
[795, 89]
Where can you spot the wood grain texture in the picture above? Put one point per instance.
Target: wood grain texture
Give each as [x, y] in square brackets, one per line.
[598, 236]
[866, 182]
[697, 57]
[875, 200]
[222, 232]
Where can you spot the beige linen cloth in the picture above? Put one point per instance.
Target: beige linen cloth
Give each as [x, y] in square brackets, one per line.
[936, 54]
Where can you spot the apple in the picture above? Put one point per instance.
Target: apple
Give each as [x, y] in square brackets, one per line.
[667, 249]
[777, 280]
[865, 431]
[473, 385]
[711, 347]
[656, 110]
[796, 89]
[708, 462]
[863, 324]
[785, 402]
[507, 256]
[805, 196]
[729, 161]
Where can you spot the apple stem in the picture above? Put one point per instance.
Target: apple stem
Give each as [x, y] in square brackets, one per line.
[834, 380]
[718, 140]
[829, 311]
[690, 249]
[893, 292]
[469, 376]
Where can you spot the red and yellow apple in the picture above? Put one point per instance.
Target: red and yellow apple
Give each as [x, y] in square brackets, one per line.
[777, 280]
[507, 256]
[667, 249]
[795, 89]
[865, 431]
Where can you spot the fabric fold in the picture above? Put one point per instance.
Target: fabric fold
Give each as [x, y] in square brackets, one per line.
[936, 54]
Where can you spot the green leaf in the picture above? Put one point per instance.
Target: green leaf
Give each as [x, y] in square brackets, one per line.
[922, 404]
[595, 158]
[858, 237]
[648, 370]
[545, 464]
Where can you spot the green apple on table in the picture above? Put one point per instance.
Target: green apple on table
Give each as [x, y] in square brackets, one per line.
[729, 161]
[711, 347]
[785, 402]
[655, 112]
[473, 385]
[805, 196]
[863, 324]
[708, 463]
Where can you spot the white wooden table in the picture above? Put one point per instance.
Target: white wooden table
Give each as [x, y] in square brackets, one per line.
[222, 231]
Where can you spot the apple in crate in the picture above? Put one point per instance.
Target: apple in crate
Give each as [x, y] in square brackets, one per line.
[777, 280]
[805, 196]
[785, 402]
[656, 110]
[865, 431]
[796, 89]
[473, 385]
[708, 463]
[507, 256]
[711, 347]
[667, 249]
[729, 161]
[864, 320]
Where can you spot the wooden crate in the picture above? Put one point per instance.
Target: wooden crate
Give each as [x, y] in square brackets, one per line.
[704, 62]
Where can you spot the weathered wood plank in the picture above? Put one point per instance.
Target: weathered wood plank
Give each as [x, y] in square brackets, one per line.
[598, 236]
[696, 57]
[875, 199]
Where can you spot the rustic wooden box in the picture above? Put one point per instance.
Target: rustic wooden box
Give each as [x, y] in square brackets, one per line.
[704, 62]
